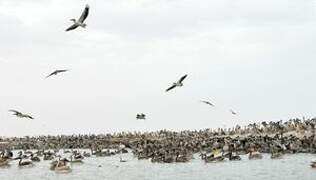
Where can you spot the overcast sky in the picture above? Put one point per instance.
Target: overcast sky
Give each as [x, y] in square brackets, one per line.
[255, 57]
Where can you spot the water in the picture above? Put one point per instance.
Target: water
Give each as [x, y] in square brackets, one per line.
[291, 167]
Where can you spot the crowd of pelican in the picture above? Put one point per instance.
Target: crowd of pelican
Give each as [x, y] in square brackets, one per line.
[211, 145]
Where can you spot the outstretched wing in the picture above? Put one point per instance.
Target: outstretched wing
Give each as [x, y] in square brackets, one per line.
[74, 26]
[182, 78]
[15, 111]
[51, 74]
[84, 14]
[233, 112]
[62, 70]
[173, 86]
[208, 103]
[28, 116]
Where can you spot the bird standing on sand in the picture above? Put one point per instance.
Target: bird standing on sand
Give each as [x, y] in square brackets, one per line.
[20, 115]
[80, 21]
[177, 84]
[57, 72]
[208, 103]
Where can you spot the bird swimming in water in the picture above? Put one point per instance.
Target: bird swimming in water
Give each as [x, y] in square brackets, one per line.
[57, 72]
[177, 84]
[20, 115]
[122, 160]
[80, 21]
[141, 116]
[208, 103]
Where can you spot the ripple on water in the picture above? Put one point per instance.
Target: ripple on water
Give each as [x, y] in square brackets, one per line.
[290, 167]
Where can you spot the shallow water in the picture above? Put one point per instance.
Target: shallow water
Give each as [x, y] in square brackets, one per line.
[291, 167]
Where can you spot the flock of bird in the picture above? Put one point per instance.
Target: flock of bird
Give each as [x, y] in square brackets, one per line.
[80, 23]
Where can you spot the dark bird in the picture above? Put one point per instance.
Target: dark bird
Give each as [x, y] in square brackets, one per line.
[208, 103]
[24, 163]
[177, 84]
[233, 112]
[141, 116]
[20, 115]
[80, 21]
[57, 72]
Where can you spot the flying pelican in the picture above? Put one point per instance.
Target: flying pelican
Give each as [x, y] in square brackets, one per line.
[80, 21]
[208, 103]
[233, 112]
[141, 116]
[20, 115]
[177, 84]
[57, 72]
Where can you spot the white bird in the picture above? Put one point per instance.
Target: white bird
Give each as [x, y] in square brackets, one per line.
[177, 84]
[80, 21]
[208, 103]
[122, 160]
[20, 115]
[57, 72]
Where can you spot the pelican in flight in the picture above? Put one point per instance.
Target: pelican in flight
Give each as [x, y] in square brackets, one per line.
[208, 103]
[57, 72]
[141, 116]
[233, 112]
[80, 21]
[20, 115]
[177, 84]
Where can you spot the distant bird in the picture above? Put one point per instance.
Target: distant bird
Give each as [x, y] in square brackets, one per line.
[57, 72]
[177, 84]
[24, 163]
[122, 160]
[20, 115]
[233, 112]
[208, 103]
[80, 21]
[141, 116]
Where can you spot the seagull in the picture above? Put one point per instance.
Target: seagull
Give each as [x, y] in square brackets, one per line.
[141, 116]
[177, 84]
[57, 72]
[20, 115]
[233, 112]
[208, 103]
[80, 21]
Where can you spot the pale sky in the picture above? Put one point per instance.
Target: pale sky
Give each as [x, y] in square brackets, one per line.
[255, 57]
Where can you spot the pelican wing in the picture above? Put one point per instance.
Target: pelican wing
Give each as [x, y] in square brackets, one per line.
[53, 73]
[15, 111]
[28, 116]
[233, 112]
[207, 102]
[63, 70]
[74, 26]
[173, 86]
[210, 104]
[182, 78]
[84, 14]
[56, 72]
